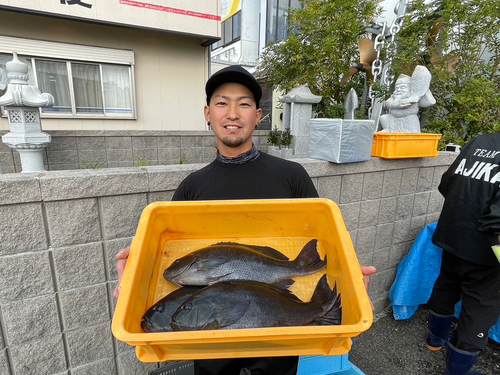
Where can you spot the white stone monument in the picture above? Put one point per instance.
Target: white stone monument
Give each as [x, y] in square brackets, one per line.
[297, 112]
[22, 102]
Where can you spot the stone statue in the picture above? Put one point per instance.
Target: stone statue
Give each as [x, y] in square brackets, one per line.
[410, 94]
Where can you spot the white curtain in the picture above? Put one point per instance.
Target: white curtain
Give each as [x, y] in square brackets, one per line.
[53, 78]
[87, 87]
[117, 88]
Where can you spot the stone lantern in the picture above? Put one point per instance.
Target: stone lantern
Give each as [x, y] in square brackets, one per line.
[297, 112]
[22, 102]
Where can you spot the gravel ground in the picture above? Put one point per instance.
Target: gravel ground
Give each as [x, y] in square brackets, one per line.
[398, 347]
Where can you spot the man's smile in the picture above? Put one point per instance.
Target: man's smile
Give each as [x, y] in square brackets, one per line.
[232, 127]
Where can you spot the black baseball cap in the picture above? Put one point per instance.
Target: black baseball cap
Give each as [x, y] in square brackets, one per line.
[233, 74]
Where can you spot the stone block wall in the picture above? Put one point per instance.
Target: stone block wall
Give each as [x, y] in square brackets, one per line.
[113, 149]
[60, 232]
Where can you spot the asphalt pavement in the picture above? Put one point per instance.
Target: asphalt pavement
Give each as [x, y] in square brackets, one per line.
[398, 347]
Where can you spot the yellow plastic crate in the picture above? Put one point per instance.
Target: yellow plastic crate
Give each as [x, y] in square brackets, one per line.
[405, 145]
[168, 230]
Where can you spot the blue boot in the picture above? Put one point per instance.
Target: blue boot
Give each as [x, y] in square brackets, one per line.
[459, 362]
[439, 330]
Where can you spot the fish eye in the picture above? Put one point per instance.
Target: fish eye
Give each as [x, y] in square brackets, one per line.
[160, 308]
[188, 306]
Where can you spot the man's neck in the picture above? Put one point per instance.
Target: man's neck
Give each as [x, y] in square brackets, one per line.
[232, 152]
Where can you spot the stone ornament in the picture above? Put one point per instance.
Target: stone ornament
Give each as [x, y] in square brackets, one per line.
[410, 94]
[19, 92]
[22, 102]
[350, 105]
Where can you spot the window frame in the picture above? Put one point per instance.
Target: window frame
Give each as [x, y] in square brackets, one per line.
[33, 50]
[229, 21]
[272, 35]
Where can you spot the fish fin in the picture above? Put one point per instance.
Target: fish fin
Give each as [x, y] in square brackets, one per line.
[264, 250]
[277, 287]
[226, 244]
[269, 251]
[322, 294]
[285, 284]
[210, 264]
[330, 301]
[308, 260]
[214, 279]
[332, 317]
[231, 315]
[211, 325]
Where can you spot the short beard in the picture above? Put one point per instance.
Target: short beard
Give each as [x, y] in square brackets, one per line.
[230, 143]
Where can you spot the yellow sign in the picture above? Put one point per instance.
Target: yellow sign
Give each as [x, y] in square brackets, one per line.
[229, 8]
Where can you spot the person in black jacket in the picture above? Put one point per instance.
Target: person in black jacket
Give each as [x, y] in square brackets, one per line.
[241, 171]
[467, 229]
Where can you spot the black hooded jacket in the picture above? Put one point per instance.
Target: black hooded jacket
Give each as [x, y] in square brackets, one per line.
[470, 219]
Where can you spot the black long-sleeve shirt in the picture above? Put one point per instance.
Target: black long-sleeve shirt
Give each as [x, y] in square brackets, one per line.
[266, 177]
[470, 219]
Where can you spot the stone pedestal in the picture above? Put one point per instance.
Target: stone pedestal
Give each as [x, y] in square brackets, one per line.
[31, 157]
[297, 113]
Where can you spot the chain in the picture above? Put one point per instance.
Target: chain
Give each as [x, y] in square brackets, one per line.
[395, 28]
[377, 64]
[380, 70]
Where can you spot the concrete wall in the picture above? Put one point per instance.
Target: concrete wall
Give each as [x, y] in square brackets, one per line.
[71, 149]
[60, 231]
[170, 71]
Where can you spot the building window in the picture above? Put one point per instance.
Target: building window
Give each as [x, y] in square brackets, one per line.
[276, 18]
[230, 31]
[81, 89]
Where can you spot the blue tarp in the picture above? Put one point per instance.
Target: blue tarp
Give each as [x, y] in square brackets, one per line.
[415, 277]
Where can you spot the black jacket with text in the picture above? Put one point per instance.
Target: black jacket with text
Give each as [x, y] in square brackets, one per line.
[470, 219]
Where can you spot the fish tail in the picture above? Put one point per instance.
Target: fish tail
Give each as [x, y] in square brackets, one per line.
[308, 261]
[322, 294]
[333, 316]
[331, 302]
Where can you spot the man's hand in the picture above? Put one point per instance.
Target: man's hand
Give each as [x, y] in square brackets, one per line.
[367, 271]
[122, 257]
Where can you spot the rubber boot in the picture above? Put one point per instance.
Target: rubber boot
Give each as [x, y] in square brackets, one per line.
[459, 362]
[439, 331]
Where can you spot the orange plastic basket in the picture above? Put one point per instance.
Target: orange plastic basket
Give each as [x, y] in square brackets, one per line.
[168, 230]
[405, 145]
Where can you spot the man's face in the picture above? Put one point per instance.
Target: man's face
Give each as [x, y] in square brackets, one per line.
[401, 90]
[233, 116]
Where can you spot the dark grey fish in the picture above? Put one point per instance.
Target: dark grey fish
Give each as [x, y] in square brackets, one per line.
[159, 316]
[240, 304]
[232, 261]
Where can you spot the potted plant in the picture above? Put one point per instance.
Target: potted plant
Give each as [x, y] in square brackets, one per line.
[285, 141]
[274, 137]
[286, 138]
[278, 139]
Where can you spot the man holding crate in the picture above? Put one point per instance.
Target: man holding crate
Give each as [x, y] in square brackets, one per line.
[240, 171]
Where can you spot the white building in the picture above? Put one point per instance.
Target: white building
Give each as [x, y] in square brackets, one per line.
[114, 64]
[247, 26]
